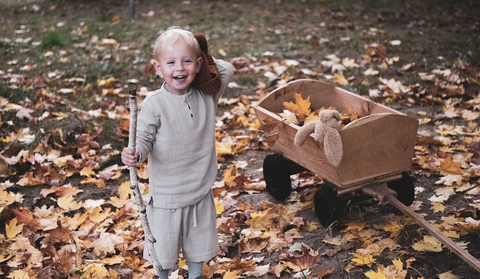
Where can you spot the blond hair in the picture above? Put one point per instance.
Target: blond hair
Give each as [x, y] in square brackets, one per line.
[174, 34]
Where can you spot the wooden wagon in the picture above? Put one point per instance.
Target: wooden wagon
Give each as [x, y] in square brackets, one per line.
[377, 153]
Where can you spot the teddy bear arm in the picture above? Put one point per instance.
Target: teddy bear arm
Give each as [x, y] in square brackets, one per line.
[333, 147]
[303, 133]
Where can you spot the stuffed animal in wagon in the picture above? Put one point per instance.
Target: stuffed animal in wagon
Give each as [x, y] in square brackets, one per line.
[325, 131]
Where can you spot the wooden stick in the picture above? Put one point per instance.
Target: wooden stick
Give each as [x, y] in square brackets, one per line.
[383, 193]
[132, 142]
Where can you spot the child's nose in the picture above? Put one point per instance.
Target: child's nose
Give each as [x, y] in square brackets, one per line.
[180, 66]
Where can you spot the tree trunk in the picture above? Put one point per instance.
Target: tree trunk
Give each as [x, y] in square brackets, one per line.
[132, 9]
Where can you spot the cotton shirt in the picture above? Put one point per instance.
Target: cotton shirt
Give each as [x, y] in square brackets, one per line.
[177, 132]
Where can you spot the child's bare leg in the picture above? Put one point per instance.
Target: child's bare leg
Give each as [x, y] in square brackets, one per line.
[164, 274]
[194, 269]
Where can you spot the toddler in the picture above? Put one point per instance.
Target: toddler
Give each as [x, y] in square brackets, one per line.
[176, 130]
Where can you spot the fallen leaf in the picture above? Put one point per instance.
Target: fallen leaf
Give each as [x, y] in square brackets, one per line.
[12, 229]
[106, 243]
[448, 275]
[428, 243]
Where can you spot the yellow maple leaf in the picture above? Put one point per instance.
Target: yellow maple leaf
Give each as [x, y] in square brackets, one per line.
[219, 207]
[61, 161]
[311, 226]
[68, 203]
[361, 260]
[19, 274]
[451, 234]
[437, 207]
[97, 215]
[392, 272]
[115, 259]
[75, 221]
[234, 274]
[87, 171]
[300, 107]
[255, 126]
[125, 191]
[394, 228]
[398, 264]
[352, 114]
[340, 79]
[354, 227]
[12, 229]
[224, 148]
[311, 117]
[451, 167]
[289, 116]
[229, 176]
[105, 244]
[428, 243]
[375, 275]
[100, 183]
[182, 263]
[451, 220]
[257, 219]
[105, 82]
[95, 271]
[8, 198]
[118, 202]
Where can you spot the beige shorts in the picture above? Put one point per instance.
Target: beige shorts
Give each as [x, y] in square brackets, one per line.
[192, 229]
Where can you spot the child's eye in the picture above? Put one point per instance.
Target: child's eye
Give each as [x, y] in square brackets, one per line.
[170, 63]
[188, 61]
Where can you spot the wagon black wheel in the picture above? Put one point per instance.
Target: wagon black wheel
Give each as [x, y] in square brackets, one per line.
[404, 188]
[277, 176]
[326, 207]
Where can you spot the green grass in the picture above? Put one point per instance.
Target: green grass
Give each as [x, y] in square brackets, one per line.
[52, 39]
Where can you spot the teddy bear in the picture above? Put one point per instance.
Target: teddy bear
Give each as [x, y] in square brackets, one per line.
[325, 130]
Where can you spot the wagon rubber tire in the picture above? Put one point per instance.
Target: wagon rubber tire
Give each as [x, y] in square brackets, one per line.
[277, 176]
[404, 188]
[326, 206]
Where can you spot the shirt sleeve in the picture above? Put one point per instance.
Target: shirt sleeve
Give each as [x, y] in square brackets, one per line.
[226, 71]
[147, 125]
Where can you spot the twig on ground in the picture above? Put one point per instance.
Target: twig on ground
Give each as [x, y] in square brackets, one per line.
[470, 56]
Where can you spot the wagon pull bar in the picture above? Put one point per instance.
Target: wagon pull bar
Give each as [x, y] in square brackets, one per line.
[380, 191]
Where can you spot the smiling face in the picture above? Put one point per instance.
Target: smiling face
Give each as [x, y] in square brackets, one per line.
[178, 67]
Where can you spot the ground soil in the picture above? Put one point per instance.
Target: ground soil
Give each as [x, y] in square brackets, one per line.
[286, 28]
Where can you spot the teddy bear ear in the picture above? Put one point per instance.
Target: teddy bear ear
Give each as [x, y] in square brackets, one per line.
[326, 115]
[323, 115]
[337, 115]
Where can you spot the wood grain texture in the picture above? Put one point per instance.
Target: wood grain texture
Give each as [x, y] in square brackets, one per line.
[378, 145]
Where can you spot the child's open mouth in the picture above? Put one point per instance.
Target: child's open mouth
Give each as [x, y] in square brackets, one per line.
[179, 78]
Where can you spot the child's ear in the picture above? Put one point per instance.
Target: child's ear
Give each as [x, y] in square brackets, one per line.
[158, 69]
[198, 66]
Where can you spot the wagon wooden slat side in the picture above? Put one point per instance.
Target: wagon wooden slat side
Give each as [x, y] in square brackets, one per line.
[377, 147]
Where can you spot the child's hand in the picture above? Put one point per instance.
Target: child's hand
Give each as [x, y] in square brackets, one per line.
[129, 157]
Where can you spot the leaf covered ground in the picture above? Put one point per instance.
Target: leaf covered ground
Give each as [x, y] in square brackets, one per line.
[65, 204]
